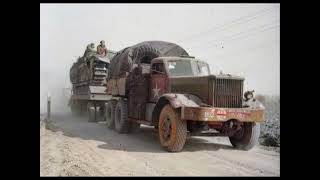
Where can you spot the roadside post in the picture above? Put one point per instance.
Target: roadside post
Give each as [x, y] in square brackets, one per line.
[48, 106]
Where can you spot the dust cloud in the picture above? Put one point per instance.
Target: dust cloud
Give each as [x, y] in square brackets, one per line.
[53, 83]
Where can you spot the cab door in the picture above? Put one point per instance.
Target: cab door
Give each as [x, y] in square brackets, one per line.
[158, 81]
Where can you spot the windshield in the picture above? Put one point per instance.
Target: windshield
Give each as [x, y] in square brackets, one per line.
[188, 68]
[180, 68]
[203, 69]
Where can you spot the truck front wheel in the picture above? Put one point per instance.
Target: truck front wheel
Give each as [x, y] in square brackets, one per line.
[121, 117]
[247, 137]
[172, 130]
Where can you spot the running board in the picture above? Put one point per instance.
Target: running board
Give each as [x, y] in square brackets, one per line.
[141, 121]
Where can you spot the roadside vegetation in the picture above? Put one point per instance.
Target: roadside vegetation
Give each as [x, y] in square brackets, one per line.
[270, 129]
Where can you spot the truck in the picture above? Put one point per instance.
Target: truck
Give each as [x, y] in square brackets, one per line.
[159, 84]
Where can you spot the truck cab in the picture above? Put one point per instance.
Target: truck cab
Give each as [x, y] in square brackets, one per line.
[166, 70]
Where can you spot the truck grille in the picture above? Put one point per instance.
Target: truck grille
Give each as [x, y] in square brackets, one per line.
[228, 93]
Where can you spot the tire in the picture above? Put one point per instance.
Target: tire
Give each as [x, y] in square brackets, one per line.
[99, 116]
[110, 113]
[144, 52]
[173, 135]
[121, 117]
[248, 138]
[91, 112]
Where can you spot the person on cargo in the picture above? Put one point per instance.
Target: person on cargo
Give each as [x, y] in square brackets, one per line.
[89, 51]
[101, 49]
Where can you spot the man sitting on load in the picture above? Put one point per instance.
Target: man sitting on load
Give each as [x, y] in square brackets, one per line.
[101, 49]
[89, 51]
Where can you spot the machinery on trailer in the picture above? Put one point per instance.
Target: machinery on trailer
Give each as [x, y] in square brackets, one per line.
[158, 84]
[88, 76]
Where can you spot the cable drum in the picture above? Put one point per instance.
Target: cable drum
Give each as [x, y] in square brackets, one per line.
[141, 54]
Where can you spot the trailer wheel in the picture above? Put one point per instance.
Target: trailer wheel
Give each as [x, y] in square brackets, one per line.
[172, 129]
[100, 112]
[247, 137]
[91, 112]
[121, 117]
[110, 113]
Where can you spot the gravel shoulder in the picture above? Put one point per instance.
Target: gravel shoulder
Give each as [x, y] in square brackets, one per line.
[71, 146]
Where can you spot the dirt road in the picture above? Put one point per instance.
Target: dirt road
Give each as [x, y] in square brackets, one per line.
[73, 147]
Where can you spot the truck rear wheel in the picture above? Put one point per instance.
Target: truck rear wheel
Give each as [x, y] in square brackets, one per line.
[172, 130]
[121, 117]
[110, 113]
[247, 137]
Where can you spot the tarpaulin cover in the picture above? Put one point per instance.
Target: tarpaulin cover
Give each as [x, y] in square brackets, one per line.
[166, 48]
[122, 62]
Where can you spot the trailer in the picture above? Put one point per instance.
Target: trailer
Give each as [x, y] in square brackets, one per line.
[88, 94]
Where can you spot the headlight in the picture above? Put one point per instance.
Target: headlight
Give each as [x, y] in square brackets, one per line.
[248, 95]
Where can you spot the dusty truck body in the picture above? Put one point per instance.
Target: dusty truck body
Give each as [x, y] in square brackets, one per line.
[178, 95]
[88, 77]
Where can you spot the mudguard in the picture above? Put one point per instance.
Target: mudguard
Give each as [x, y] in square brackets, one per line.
[176, 101]
[179, 100]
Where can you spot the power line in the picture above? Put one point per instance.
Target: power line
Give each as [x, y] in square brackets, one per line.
[248, 35]
[235, 35]
[224, 26]
[264, 45]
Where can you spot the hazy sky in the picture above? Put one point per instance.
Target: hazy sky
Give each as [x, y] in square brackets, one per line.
[240, 39]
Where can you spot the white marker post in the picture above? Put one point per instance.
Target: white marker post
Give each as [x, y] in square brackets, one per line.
[48, 106]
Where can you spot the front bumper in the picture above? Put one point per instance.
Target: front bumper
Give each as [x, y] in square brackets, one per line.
[212, 114]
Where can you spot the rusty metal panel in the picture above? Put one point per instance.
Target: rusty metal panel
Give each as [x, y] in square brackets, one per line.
[196, 85]
[114, 88]
[121, 83]
[222, 114]
[158, 86]
[149, 110]
[138, 96]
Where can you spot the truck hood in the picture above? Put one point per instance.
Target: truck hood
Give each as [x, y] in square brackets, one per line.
[202, 86]
[198, 86]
